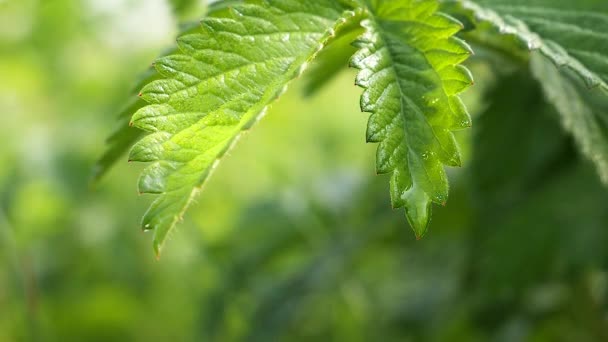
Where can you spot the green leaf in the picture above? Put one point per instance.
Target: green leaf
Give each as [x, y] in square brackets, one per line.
[217, 85]
[184, 9]
[124, 136]
[504, 170]
[411, 72]
[583, 113]
[572, 34]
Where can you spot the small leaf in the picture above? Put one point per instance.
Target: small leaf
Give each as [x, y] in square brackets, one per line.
[409, 62]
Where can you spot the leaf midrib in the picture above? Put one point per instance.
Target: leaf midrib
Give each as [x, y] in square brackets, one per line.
[418, 111]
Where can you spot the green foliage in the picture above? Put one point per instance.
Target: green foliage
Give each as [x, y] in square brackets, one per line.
[584, 112]
[216, 86]
[527, 236]
[294, 239]
[124, 135]
[222, 76]
[186, 8]
[410, 70]
[335, 57]
[505, 169]
[572, 34]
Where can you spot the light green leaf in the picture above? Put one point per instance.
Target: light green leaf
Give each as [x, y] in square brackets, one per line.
[218, 84]
[584, 113]
[124, 136]
[572, 34]
[411, 72]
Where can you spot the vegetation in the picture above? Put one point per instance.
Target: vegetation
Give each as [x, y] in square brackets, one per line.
[293, 238]
[222, 76]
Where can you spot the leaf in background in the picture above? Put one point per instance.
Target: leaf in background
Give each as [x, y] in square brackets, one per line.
[503, 169]
[572, 34]
[550, 235]
[184, 9]
[411, 72]
[583, 112]
[531, 192]
[123, 136]
[218, 84]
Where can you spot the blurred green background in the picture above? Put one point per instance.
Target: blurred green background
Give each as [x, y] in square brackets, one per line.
[293, 239]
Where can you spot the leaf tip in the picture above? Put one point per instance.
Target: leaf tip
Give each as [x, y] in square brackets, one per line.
[158, 247]
[419, 217]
